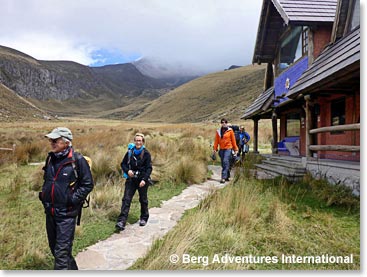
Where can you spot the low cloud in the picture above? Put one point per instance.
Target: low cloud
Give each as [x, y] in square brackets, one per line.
[208, 34]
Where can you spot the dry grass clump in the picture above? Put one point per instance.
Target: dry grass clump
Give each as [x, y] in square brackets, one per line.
[248, 218]
[6, 157]
[105, 145]
[189, 171]
[27, 152]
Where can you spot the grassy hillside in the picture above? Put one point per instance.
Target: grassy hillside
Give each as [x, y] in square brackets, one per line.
[252, 224]
[208, 98]
[14, 107]
[9, 53]
[64, 88]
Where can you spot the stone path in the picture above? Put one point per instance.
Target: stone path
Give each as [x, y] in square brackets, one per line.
[120, 251]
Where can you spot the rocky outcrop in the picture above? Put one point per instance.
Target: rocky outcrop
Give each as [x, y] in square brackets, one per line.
[62, 80]
[48, 80]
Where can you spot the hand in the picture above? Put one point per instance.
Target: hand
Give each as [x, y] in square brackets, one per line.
[142, 183]
[130, 173]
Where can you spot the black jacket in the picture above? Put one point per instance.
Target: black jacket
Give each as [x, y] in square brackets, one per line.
[142, 164]
[62, 193]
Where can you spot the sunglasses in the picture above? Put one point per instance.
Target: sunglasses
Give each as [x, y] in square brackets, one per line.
[53, 140]
[224, 122]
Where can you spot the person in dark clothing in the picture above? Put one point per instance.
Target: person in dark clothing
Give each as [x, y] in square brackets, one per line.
[138, 166]
[244, 139]
[67, 182]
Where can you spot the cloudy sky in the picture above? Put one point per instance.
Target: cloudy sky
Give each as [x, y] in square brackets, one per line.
[209, 35]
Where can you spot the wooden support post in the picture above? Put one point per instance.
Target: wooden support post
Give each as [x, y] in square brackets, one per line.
[269, 76]
[256, 135]
[308, 125]
[274, 123]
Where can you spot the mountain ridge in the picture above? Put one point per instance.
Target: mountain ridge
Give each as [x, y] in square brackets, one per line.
[65, 88]
[47, 83]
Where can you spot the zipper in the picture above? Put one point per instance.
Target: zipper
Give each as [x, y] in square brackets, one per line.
[53, 185]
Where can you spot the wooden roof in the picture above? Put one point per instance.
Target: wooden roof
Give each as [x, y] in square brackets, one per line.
[306, 11]
[277, 14]
[339, 61]
[260, 105]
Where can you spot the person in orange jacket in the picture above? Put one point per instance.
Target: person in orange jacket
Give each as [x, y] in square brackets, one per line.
[226, 140]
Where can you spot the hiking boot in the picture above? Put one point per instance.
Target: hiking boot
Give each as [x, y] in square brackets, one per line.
[222, 181]
[120, 226]
[142, 222]
[227, 179]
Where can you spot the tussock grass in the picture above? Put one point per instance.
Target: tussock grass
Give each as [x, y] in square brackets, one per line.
[246, 217]
[259, 218]
[105, 143]
[188, 171]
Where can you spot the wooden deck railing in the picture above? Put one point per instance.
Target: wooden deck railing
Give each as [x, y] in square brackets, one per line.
[344, 148]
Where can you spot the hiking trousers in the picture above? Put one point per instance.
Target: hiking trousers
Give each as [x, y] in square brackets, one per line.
[225, 157]
[60, 234]
[131, 186]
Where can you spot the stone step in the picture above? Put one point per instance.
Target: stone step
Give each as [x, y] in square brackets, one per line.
[295, 167]
[277, 171]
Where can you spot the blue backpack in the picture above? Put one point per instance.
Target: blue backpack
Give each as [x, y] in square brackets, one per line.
[130, 148]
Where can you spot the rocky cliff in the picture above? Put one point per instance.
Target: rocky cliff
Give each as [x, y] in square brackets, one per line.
[62, 80]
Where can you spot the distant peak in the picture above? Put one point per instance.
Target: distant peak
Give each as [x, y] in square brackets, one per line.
[233, 67]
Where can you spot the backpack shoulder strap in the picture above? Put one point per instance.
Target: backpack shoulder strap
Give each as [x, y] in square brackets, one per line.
[76, 156]
[73, 163]
[129, 153]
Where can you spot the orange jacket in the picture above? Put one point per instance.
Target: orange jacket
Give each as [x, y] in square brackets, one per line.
[227, 142]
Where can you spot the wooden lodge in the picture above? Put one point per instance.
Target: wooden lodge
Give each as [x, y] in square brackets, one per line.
[311, 87]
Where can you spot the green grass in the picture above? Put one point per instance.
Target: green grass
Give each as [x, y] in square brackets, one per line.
[225, 93]
[261, 218]
[248, 217]
[23, 237]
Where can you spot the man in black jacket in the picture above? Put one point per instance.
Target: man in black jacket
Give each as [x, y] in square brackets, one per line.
[67, 182]
[138, 166]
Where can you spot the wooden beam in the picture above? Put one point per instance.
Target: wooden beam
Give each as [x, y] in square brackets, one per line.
[256, 137]
[344, 148]
[308, 122]
[269, 76]
[274, 123]
[263, 35]
[346, 127]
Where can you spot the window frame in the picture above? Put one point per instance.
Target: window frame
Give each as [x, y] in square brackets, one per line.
[294, 117]
[338, 109]
[304, 37]
[351, 15]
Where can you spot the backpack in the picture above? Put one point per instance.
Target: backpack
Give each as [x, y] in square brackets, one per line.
[236, 130]
[86, 201]
[130, 148]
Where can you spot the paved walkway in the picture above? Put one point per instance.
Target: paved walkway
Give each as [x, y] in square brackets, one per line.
[120, 251]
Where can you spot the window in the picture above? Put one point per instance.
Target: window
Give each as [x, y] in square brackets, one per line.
[355, 16]
[293, 47]
[337, 114]
[304, 41]
[293, 125]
